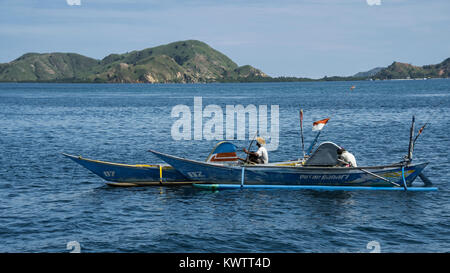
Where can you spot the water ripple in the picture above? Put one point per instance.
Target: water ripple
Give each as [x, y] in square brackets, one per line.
[47, 200]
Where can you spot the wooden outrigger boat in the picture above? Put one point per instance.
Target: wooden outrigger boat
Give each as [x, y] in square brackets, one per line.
[306, 175]
[319, 171]
[117, 174]
[223, 170]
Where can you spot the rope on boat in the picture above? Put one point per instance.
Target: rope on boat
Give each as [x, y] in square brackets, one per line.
[380, 177]
[73, 172]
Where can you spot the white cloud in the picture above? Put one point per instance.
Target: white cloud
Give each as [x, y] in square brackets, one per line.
[373, 2]
[73, 2]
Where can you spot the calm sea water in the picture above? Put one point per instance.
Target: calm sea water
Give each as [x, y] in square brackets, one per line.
[47, 200]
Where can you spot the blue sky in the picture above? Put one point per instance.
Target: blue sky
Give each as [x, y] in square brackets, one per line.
[310, 38]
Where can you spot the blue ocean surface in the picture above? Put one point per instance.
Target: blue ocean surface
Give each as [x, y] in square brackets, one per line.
[47, 201]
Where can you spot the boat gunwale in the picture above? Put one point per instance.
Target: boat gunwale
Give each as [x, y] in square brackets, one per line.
[164, 166]
[269, 166]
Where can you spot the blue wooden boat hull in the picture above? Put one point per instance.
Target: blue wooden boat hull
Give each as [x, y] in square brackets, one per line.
[289, 175]
[131, 175]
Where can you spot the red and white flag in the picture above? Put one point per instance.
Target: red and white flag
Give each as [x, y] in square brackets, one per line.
[318, 125]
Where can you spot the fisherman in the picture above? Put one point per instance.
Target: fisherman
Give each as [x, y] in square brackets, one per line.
[345, 158]
[260, 156]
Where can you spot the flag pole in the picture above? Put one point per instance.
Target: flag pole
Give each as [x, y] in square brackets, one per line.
[313, 143]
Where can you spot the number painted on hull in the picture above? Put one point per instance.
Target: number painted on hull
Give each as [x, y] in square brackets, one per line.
[109, 173]
[195, 174]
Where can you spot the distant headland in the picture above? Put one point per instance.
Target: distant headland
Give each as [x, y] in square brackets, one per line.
[188, 61]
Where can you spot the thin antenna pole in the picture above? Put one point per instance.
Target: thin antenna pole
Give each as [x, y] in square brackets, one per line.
[411, 140]
[301, 132]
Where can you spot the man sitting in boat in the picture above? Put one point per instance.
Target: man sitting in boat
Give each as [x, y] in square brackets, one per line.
[345, 158]
[260, 156]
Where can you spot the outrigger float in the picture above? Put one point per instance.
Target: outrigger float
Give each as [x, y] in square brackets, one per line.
[316, 172]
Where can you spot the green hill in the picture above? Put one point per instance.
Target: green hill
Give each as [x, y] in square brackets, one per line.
[188, 61]
[399, 70]
[179, 62]
[46, 67]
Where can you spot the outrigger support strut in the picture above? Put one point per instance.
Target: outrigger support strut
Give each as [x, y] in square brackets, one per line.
[242, 177]
[403, 177]
[425, 180]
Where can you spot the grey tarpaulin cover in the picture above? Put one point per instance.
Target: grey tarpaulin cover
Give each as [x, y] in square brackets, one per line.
[324, 155]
